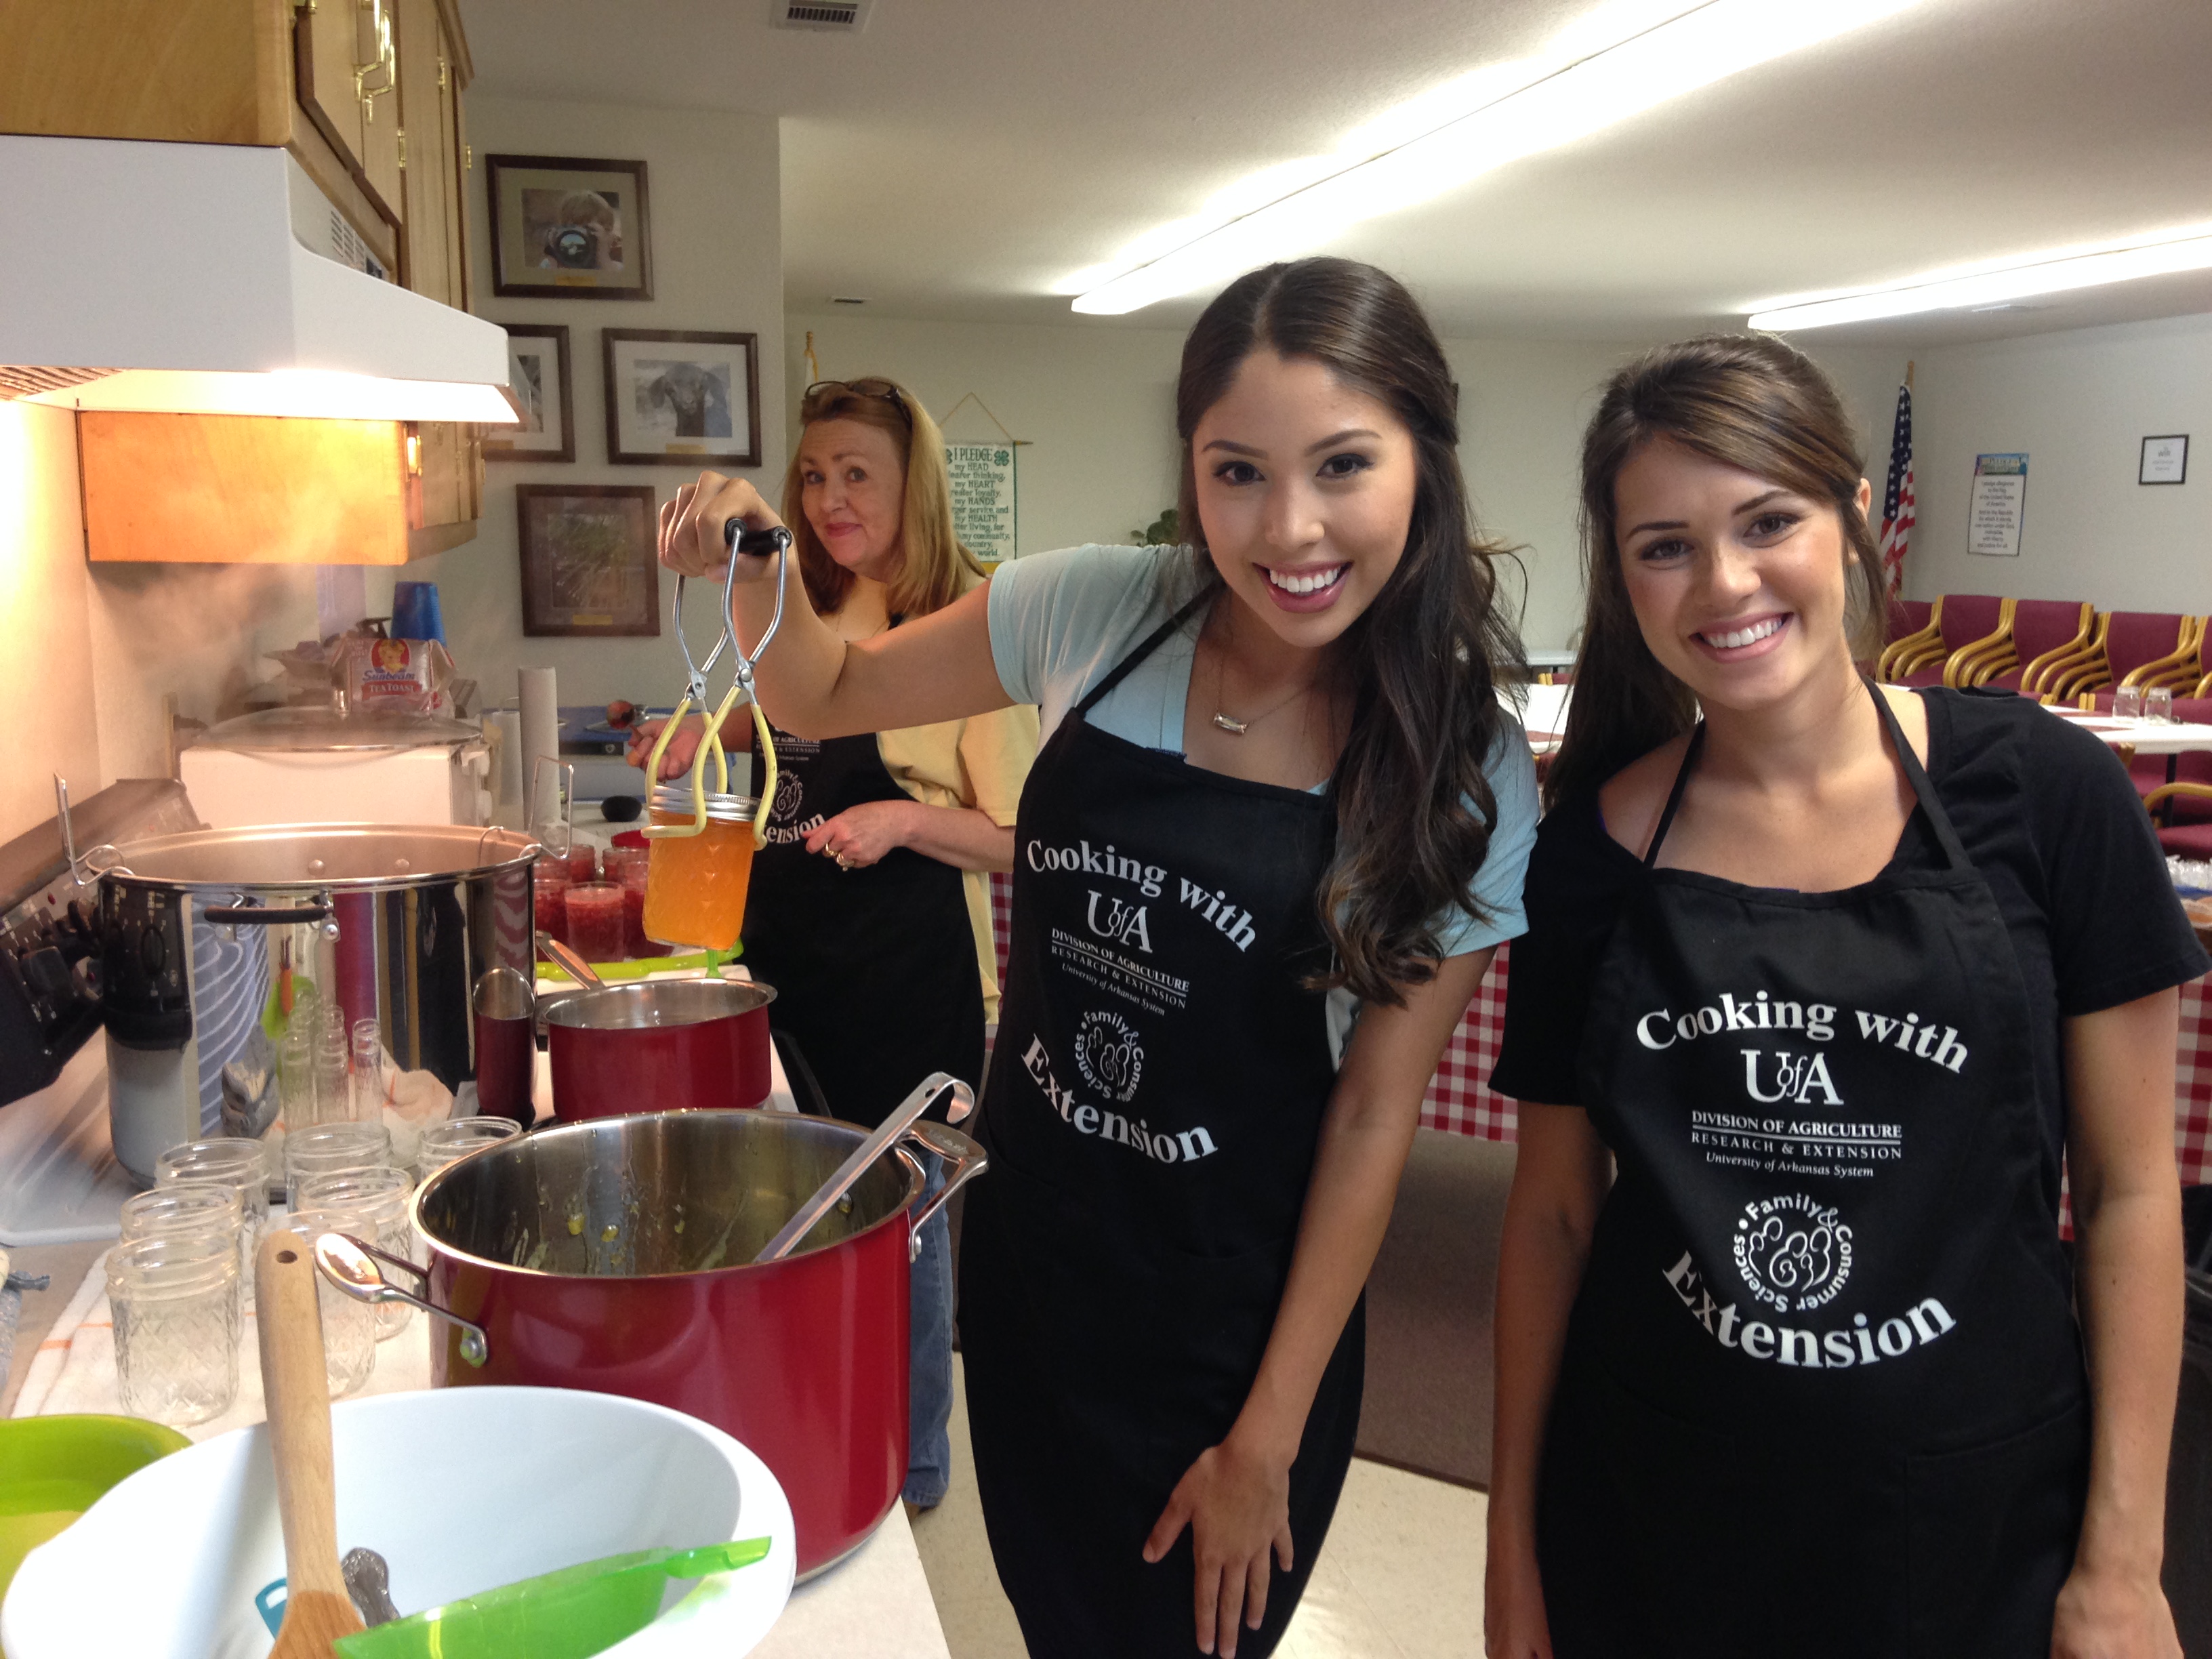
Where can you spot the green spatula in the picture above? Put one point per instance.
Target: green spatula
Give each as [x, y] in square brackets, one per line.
[569, 1615]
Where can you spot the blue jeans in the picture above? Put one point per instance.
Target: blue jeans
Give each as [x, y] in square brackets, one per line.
[929, 1399]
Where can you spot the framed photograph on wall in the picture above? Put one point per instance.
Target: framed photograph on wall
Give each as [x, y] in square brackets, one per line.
[2165, 460]
[588, 567]
[538, 375]
[568, 227]
[678, 397]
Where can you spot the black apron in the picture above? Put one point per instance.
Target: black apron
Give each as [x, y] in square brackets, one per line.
[874, 968]
[1156, 1098]
[1823, 1391]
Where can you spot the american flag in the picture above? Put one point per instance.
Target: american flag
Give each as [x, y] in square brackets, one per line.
[1896, 516]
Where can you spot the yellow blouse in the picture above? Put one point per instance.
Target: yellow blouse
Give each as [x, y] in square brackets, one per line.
[979, 763]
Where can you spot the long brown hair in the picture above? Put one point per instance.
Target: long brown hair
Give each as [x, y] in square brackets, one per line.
[935, 568]
[1748, 401]
[1414, 811]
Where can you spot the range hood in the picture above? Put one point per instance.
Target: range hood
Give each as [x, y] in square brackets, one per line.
[213, 279]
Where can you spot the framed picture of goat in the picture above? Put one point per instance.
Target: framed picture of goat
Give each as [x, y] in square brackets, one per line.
[678, 397]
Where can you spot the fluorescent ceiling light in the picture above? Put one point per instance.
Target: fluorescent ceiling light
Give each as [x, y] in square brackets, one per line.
[1618, 61]
[1991, 288]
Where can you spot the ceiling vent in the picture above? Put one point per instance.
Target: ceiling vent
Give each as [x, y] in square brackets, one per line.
[825, 16]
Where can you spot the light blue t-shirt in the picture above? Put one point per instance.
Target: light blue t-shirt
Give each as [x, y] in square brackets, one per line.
[1060, 623]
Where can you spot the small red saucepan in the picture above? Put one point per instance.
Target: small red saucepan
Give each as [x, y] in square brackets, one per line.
[656, 1046]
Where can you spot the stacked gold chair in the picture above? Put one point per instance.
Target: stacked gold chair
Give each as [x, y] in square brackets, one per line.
[2040, 639]
[2141, 648]
[1958, 623]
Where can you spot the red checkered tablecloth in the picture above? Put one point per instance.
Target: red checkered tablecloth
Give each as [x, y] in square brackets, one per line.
[2192, 1086]
[1460, 1097]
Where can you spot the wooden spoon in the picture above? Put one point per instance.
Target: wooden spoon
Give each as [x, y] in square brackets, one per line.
[317, 1610]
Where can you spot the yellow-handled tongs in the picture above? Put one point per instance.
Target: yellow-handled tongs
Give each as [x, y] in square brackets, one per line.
[754, 544]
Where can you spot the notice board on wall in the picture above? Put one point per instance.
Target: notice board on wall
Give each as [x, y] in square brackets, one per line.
[1999, 506]
[986, 506]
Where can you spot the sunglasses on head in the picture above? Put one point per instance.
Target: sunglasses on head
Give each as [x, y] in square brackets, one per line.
[826, 394]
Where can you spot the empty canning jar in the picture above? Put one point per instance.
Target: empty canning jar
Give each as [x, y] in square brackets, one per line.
[696, 886]
[174, 1300]
[379, 1200]
[444, 1142]
[333, 1149]
[348, 1326]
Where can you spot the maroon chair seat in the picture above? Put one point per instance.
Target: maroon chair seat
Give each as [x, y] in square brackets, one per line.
[2133, 638]
[2039, 626]
[2187, 841]
[2191, 765]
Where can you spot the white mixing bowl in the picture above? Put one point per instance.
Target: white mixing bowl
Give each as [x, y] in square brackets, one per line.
[460, 1489]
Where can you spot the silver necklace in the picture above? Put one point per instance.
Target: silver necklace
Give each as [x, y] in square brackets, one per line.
[1237, 728]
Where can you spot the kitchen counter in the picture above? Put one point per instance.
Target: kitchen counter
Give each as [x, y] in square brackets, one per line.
[875, 1605]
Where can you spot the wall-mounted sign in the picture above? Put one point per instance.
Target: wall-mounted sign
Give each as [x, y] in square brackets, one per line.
[986, 515]
[2165, 460]
[1999, 504]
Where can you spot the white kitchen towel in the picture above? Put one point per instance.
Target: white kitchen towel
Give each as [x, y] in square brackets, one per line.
[75, 1370]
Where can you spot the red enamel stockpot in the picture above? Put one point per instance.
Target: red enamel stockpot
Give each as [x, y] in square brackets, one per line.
[658, 1045]
[617, 1256]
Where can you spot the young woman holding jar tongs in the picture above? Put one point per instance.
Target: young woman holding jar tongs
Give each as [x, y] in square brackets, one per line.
[1278, 790]
[1835, 974]
[868, 910]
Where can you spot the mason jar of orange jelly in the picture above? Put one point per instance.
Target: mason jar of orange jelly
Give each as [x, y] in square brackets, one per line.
[695, 885]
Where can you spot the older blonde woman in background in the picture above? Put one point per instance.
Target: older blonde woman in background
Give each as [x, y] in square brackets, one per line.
[869, 911]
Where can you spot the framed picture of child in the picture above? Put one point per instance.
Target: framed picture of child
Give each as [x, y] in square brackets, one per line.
[569, 227]
[682, 399]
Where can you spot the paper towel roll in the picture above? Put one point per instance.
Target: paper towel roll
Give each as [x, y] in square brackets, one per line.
[541, 726]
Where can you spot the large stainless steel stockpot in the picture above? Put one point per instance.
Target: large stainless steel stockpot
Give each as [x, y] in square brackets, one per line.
[215, 942]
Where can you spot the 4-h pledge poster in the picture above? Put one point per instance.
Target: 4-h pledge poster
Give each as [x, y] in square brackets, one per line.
[985, 514]
[1998, 507]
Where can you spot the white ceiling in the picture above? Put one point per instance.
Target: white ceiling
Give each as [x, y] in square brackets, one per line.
[959, 157]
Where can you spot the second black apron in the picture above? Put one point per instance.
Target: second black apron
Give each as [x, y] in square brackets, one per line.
[1155, 1099]
[874, 968]
[1823, 1391]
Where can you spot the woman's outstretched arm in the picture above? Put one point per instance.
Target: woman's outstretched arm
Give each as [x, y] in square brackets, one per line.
[813, 684]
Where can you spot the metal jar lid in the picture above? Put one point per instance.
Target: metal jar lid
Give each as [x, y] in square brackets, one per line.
[675, 798]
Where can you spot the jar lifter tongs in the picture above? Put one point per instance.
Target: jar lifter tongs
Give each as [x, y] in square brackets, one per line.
[753, 543]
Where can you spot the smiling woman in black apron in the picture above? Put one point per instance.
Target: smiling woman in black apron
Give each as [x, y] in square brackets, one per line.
[868, 909]
[1277, 787]
[1834, 975]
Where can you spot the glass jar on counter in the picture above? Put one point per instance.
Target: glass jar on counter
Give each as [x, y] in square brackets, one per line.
[348, 1326]
[378, 1200]
[598, 930]
[444, 1142]
[696, 885]
[174, 1299]
[333, 1149]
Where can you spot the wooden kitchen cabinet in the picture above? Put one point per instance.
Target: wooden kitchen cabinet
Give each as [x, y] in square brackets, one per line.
[366, 94]
[262, 490]
[338, 82]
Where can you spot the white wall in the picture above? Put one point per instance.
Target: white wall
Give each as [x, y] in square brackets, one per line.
[2080, 405]
[1099, 405]
[45, 640]
[711, 180]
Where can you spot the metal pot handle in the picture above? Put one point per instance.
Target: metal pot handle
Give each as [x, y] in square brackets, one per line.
[474, 1348]
[968, 1159]
[254, 913]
